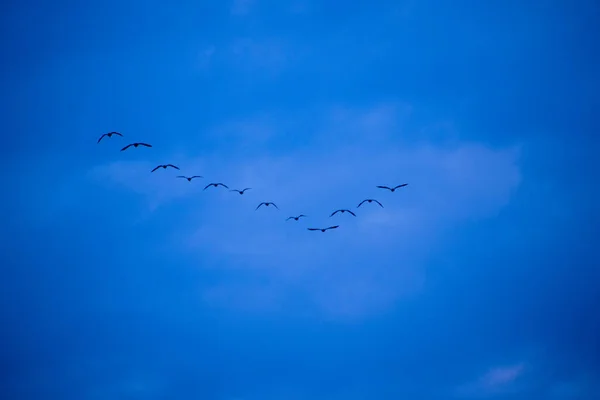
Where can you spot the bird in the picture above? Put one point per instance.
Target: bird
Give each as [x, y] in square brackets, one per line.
[267, 204]
[394, 188]
[109, 134]
[189, 178]
[369, 201]
[240, 191]
[136, 145]
[323, 229]
[296, 218]
[215, 185]
[342, 211]
[164, 166]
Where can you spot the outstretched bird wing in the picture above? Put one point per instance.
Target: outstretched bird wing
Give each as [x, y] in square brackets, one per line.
[126, 147]
[384, 187]
[160, 166]
[246, 189]
[181, 176]
[301, 215]
[378, 203]
[288, 218]
[116, 133]
[333, 227]
[196, 176]
[361, 203]
[351, 212]
[275, 205]
[172, 166]
[313, 229]
[207, 186]
[225, 186]
[259, 206]
[399, 186]
[145, 144]
[104, 134]
[335, 212]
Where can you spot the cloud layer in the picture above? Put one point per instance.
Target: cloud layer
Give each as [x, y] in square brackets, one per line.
[371, 261]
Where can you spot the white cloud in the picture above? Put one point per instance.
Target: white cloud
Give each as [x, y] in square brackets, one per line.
[206, 55]
[371, 261]
[497, 380]
[242, 7]
[265, 55]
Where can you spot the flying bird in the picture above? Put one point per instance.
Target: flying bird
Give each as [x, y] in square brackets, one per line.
[109, 134]
[342, 211]
[323, 229]
[215, 185]
[394, 188]
[369, 201]
[240, 191]
[189, 178]
[135, 145]
[296, 218]
[267, 204]
[164, 166]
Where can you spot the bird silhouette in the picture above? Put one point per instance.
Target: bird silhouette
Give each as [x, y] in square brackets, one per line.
[164, 166]
[267, 204]
[109, 134]
[394, 188]
[135, 145]
[342, 211]
[240, 191]
[369, 201]
[323, 229]
[189, 178]
[215, 185]
[296, 218]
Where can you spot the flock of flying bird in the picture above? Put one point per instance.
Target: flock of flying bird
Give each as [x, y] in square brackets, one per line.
[241, 192]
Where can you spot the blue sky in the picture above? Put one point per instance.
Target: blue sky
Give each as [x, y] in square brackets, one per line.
[478, 280]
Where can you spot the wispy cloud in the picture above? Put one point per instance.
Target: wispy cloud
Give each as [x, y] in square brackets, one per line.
[371, 261]
[267, 54]
[242, 7]
[206, 55]
[497, 380]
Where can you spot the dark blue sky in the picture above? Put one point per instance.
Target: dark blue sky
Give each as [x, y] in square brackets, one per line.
[478, 280]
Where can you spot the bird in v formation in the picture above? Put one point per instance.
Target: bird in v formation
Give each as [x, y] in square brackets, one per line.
[164, 166]
[109, 134]
[215, 185]
[241, 192]
[369, 201]
[189, 178]
[392, 189]
[343, 210]
[266, 204]
[296, 218]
